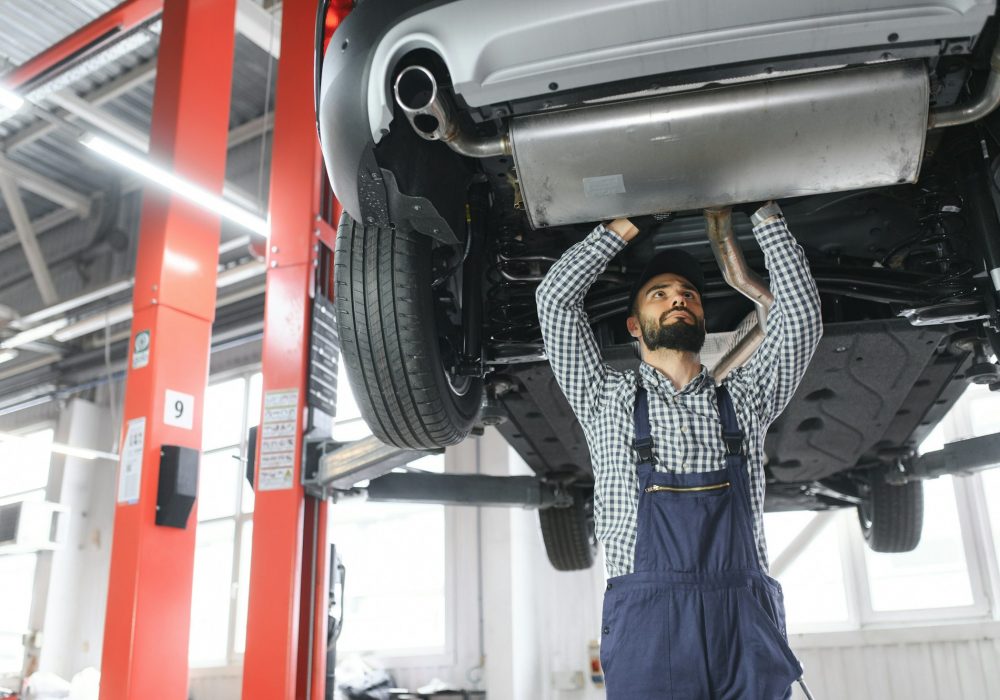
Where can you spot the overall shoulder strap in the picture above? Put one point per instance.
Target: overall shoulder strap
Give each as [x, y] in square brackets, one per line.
[732, 434]
[643, 442]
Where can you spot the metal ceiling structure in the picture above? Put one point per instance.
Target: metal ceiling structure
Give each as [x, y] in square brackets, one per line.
[69, 220]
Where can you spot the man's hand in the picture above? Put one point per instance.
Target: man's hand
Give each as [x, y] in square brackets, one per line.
[624, 229]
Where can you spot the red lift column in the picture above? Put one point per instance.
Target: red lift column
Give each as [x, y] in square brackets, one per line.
[148, 616]
[287, 612]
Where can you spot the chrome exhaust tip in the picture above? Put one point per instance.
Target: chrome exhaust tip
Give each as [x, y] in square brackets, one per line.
[417, 94]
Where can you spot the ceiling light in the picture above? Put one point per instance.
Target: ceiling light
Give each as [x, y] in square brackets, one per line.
[10, 100]
[10, 103]
[32, 334]
[68, 450]
[7, 355]
[178, 185]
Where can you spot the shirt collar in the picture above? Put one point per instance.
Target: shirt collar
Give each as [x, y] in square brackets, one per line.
[651, 378]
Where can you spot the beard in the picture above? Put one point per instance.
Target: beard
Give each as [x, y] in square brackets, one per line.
[678, 335]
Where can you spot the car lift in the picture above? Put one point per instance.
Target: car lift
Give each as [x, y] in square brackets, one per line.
[149, 601]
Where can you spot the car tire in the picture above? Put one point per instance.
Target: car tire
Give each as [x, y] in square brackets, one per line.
[568, 534]
[892, 517]
[391, 347]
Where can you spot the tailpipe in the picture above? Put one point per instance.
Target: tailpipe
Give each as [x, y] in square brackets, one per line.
[729, 256]
[417, 94]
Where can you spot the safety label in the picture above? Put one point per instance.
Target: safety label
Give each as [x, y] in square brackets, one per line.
[603, 186]
[140, 350]
[278, 430]
[130, 473]
[178, 409]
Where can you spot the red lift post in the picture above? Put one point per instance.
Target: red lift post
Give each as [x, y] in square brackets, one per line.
[285, 657]
[148, 616]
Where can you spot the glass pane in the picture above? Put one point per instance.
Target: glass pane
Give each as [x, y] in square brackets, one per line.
[354, 429]
[347, 407]
[243, 588]
[814, 582]
[24, 462]
[211, 595]
[253, 400]
[991, 490]
[247, 494]
[984, 410]
[223, 414]
[17, 580]
[934, 575]
[395, 598]
[218, 481]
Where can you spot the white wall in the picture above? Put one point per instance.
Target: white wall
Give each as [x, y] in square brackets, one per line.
[926, 663]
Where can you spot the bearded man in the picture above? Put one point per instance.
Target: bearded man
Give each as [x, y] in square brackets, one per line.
[689, 611]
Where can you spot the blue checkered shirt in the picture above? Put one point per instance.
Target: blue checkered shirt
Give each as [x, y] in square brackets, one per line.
[686, 431]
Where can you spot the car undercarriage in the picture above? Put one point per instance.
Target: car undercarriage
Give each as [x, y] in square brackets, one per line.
[893, 199]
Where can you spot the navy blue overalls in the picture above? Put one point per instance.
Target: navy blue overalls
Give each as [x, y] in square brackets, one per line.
[697, 619]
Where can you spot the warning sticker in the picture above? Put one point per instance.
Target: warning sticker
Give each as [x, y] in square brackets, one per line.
[140, 350]
[278, 431]
[130, 472]
[603, 186]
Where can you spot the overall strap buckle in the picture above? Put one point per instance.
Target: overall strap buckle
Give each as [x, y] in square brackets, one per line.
[734, 443]
[644, 448]
[643, 441]
[732, 434]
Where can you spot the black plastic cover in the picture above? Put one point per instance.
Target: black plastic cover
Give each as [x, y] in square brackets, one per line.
[178, 487]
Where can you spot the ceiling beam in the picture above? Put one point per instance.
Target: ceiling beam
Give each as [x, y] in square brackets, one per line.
[262, 27]
[101, 119]
[45, 187]
[126, 82]
[29, 242]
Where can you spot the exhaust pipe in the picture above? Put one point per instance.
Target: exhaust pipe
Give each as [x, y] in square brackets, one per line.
[986, 103]
[417, 95]
[729, 256]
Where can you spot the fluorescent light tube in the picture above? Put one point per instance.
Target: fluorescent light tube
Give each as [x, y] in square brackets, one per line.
[10, 100]
[32, 334]
[7, 355]
[178, 185]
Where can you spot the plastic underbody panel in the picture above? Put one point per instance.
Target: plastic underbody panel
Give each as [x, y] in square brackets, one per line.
[522, 48]
[871, 385]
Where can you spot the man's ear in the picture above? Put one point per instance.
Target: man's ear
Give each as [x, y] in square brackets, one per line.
[632, 324]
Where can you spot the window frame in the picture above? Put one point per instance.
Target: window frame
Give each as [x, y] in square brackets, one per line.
[233, 657]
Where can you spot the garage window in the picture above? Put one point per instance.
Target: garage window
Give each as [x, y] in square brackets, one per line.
[225, 505]
[24, 472]
[394, 553]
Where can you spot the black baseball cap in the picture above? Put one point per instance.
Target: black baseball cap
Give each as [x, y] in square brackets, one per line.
[677, 262]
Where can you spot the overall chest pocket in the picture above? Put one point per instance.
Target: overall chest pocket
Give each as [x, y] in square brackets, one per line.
[701, 490]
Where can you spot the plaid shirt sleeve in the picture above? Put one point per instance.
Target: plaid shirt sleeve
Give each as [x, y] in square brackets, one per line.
[569, 342]
[794, 324]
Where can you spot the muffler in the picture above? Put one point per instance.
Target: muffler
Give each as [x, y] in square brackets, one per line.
[822, 132]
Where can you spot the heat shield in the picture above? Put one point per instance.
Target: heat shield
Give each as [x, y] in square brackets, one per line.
[823, 132]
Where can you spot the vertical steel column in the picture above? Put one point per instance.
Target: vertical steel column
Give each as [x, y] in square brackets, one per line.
[147, 624]
[286, 622]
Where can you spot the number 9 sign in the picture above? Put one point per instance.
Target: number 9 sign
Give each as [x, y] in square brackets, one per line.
[178, 409]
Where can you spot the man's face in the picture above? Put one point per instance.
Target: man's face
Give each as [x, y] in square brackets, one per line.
[668, 315]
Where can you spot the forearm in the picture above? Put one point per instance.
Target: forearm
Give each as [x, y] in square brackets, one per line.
[794, 324]
[569, 342]
[791, 283]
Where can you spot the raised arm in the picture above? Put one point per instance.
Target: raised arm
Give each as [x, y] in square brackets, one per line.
[569, 342]
[794, 324]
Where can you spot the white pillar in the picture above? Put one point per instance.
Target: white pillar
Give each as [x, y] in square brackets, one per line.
[71, 584]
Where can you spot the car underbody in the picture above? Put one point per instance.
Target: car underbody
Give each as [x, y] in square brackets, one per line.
[900, 232]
